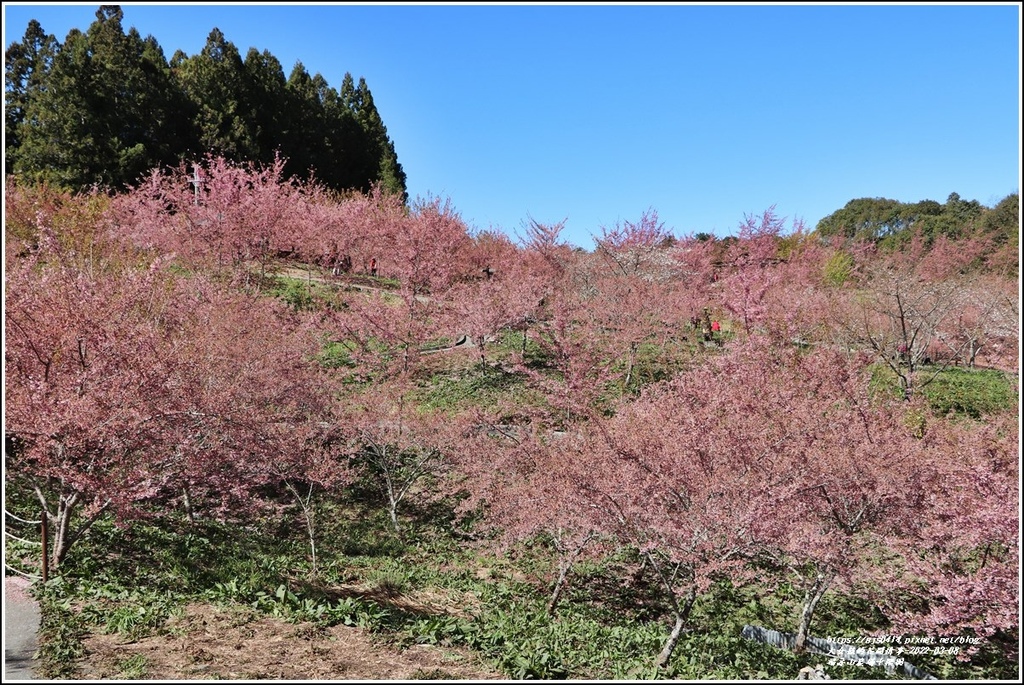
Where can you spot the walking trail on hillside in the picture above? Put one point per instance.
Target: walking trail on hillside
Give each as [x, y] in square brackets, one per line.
[21, 624]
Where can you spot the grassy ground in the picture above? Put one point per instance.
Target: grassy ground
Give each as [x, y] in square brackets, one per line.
[125, 588]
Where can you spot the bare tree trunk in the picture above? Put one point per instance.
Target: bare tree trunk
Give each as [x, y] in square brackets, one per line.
[393, 493]
[682, 616]
[62, 534]
[670, 643]
[64, 537]
[186, 502]
[564, 566]
[629, 369]
[811, 597]
[307, 513]
[975, 349]
[557, 593]
[393, 514]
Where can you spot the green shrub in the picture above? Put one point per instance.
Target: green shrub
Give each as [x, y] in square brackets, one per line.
[476, 386]
[134, 667]
[837, 269]
[336, 355]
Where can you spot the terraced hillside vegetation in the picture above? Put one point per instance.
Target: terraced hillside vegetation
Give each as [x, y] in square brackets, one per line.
[278, 433]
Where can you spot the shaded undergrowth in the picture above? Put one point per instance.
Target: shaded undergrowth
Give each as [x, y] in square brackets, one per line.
[433, 588]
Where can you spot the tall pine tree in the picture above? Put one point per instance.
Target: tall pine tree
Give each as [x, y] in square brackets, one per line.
[382, 160]
[266, 99]
[215, 83]
[26, 68]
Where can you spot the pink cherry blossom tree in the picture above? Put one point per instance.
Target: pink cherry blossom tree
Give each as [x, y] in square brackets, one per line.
[427, 250]
[904, 300]
[214, 214]
[637, 248]
[524, 477]
[797, 463]
[963, 550]
[126, 385]
[684, 473]
[749, 266]
[484, 307]
[984, 323]
[82, 407]
[392, 441]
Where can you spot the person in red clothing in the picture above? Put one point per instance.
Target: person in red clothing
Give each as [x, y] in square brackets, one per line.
[715, 327]
[373, 266]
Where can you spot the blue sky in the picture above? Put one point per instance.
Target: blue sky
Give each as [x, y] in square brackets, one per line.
[594, 114]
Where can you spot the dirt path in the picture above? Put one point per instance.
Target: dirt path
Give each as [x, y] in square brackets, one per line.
[358, 283]
[21, 626]
[236, 643]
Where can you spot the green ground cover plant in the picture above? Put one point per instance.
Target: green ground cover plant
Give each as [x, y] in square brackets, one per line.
[132, 581]
[971, 393]
[956, 391]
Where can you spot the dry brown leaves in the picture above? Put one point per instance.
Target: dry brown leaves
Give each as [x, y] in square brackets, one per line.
[235, 643]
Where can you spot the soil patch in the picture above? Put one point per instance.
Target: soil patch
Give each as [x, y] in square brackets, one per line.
[235, 643]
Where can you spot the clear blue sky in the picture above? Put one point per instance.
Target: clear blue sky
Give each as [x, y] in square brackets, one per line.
[596, 113]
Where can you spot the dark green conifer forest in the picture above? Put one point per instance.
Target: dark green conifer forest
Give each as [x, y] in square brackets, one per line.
[106, 106]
